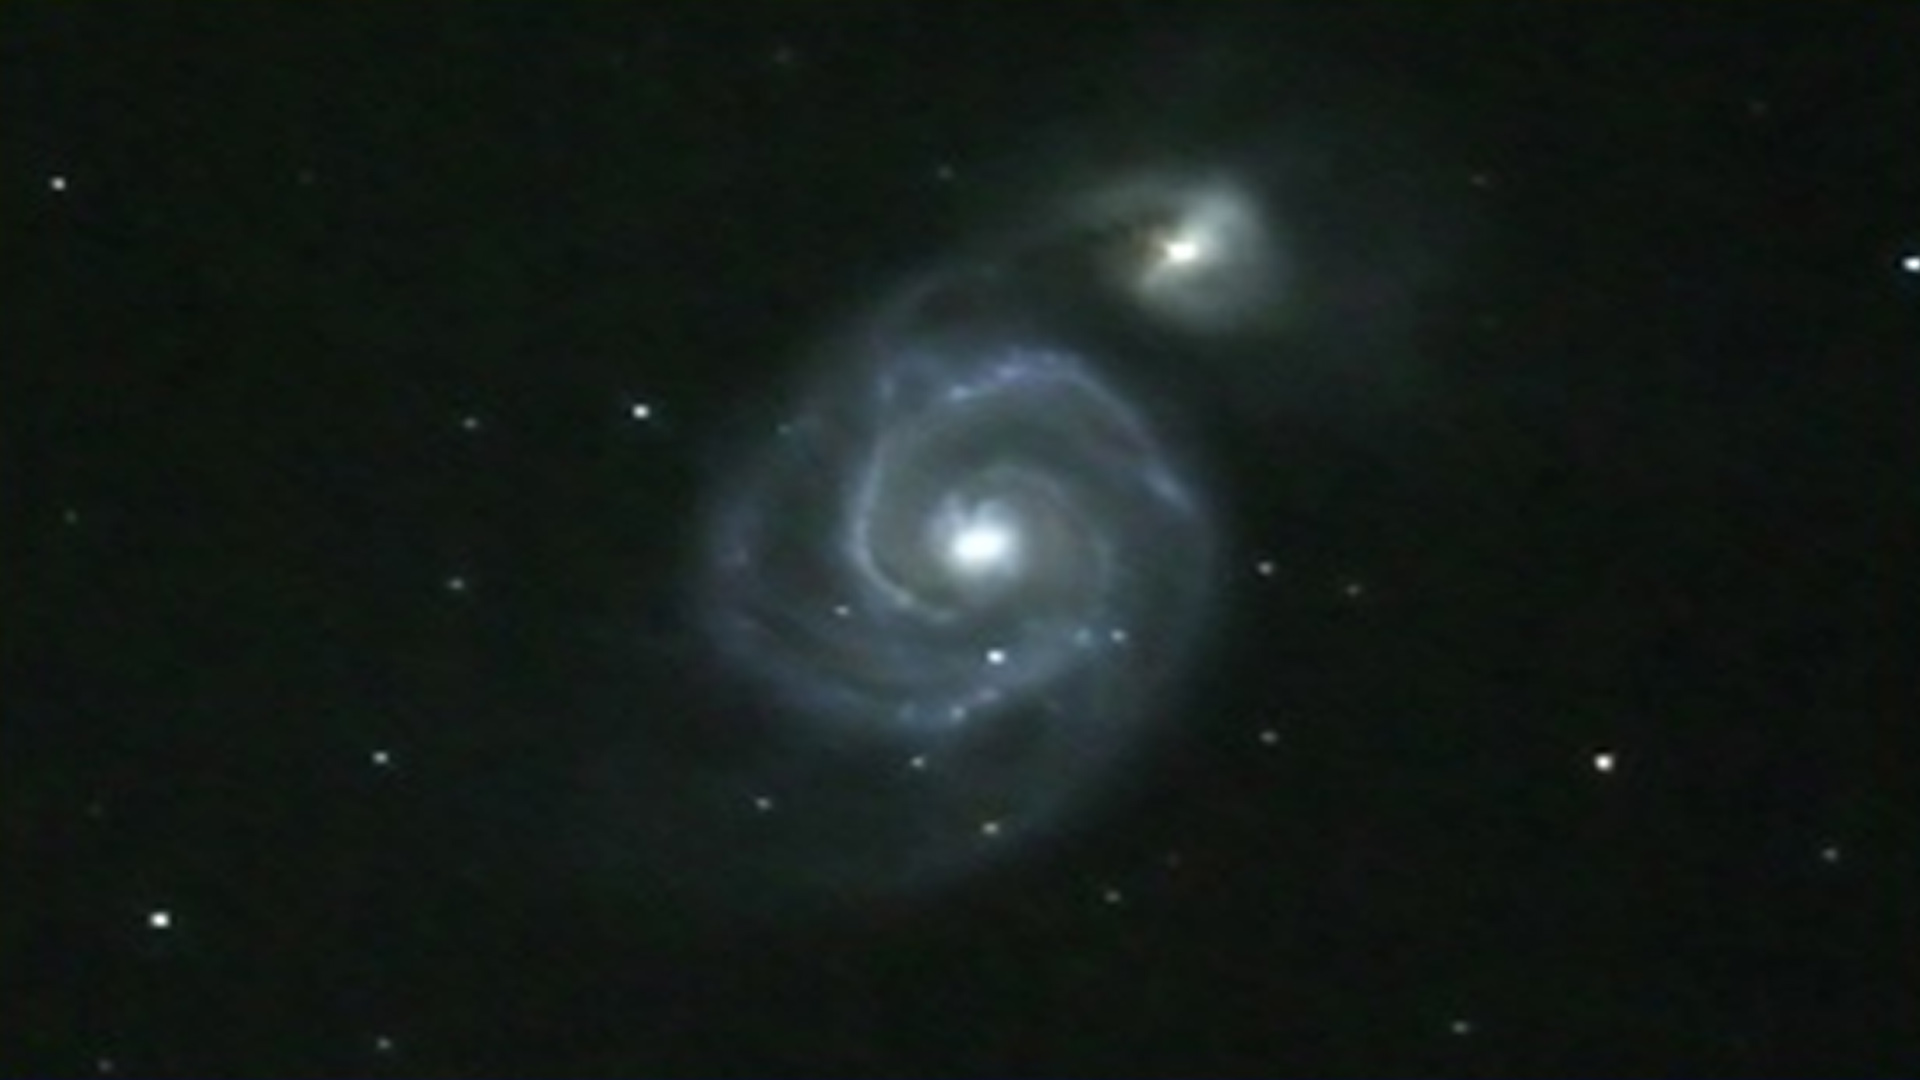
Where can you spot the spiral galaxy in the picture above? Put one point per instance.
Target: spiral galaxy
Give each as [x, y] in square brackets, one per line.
[961, 540]
[960, 574]
[953, 581]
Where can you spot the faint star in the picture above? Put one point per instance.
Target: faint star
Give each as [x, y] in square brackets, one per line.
[1830, 854]
[1461, 1027]
[160, 919]
[990, 828]
[1604, 761]
[456, 584]
[1269, 737]
[917, 762]
[382, 759]
[56, 183]
[763, 803]
[1911, 264]
[1265, 567]
[944, 173]
[996, 657]
[1111, 896]
[640, 410]
[383, 1044]
[1352, 590]
[105, 1065]
[70, 516]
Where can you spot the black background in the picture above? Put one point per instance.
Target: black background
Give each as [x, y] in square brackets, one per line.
[1630, 474]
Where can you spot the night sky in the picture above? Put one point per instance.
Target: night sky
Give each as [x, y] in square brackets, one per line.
[959, 539]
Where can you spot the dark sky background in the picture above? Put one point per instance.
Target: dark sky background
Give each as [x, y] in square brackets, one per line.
[1556, 716]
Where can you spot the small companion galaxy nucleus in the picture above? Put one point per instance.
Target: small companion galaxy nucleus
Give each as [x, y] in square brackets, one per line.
[1197, 253]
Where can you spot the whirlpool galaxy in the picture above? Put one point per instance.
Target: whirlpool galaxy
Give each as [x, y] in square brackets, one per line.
[952, 587]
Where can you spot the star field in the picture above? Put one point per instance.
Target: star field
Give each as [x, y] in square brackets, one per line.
[591, 540]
